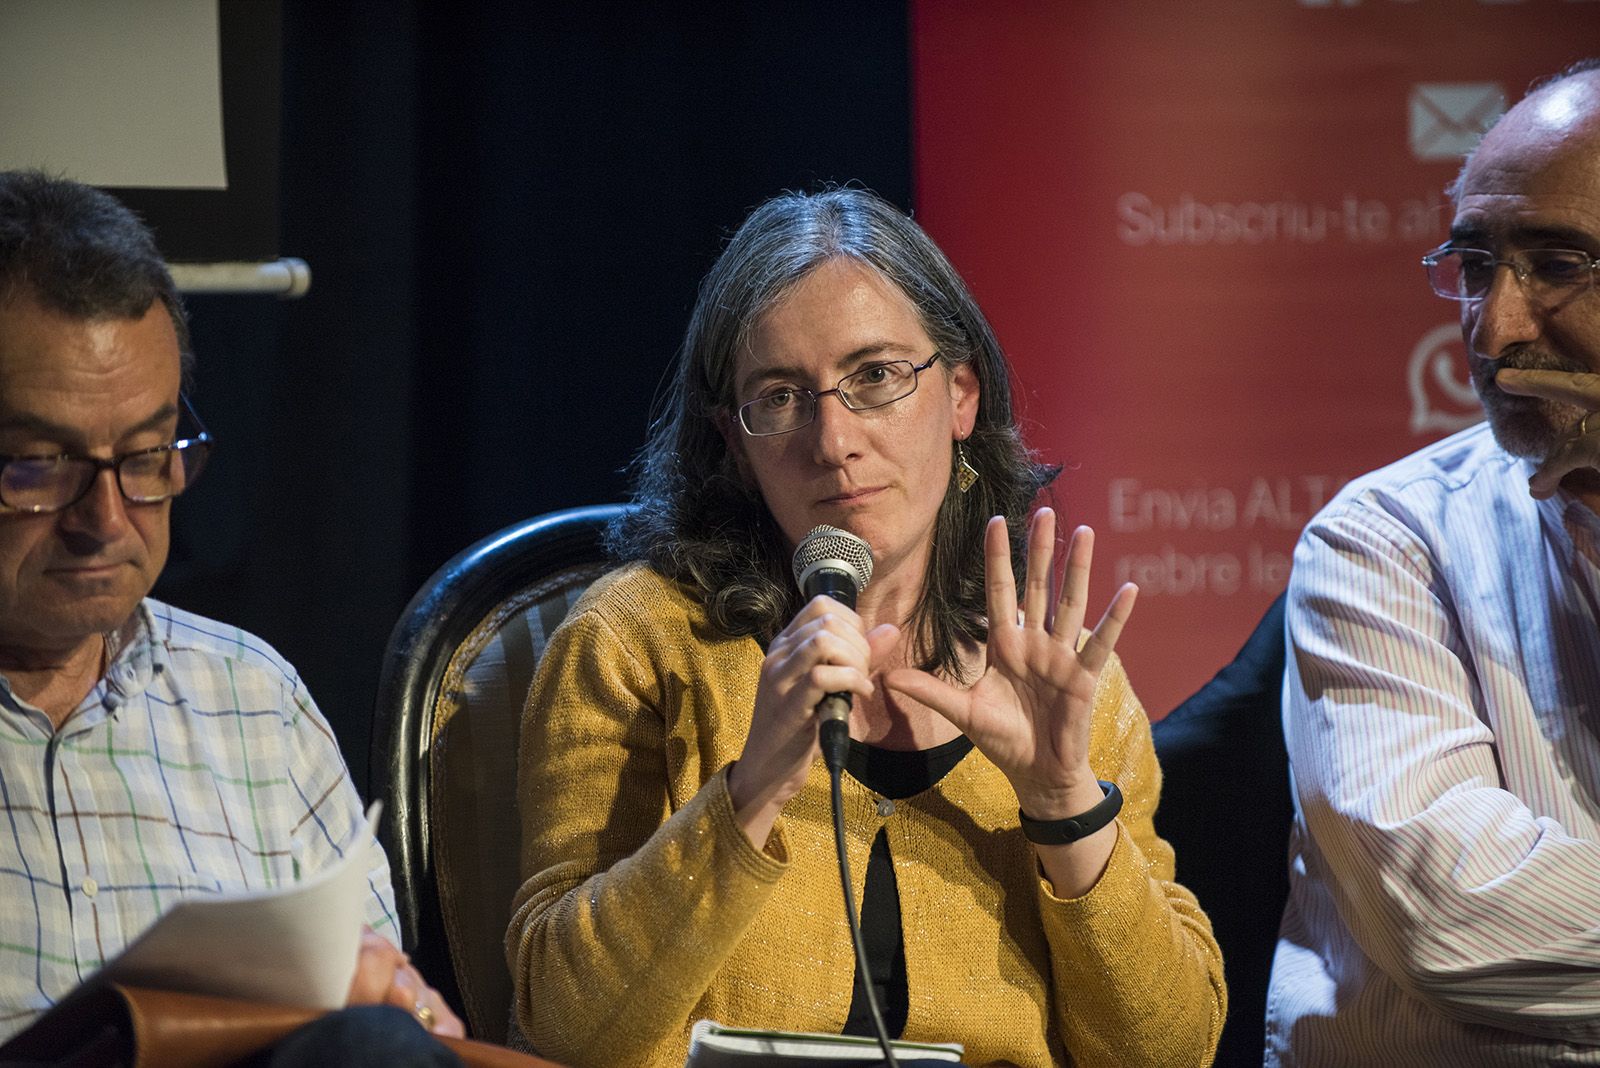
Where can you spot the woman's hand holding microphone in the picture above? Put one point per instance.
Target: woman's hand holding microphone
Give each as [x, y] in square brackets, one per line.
[824, 649]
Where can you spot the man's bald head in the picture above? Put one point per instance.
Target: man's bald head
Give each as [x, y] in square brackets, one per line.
[1560, 113]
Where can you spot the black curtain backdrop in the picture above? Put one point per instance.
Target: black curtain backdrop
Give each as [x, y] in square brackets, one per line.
[506, 207]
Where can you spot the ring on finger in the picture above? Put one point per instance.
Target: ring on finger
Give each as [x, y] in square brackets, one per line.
[424, 1014]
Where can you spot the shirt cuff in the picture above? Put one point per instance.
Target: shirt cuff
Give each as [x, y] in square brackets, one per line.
[1115, 899]
[765, 865]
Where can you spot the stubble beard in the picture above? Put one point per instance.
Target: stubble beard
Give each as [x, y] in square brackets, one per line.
[1529, 427]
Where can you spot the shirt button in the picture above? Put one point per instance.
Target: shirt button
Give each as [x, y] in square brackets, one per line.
[90, 887]
[885, 808]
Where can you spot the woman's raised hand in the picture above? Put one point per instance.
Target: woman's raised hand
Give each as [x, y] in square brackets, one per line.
[824, 649]
[1030, 711]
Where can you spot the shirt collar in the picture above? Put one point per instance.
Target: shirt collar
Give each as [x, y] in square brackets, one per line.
[134, 652]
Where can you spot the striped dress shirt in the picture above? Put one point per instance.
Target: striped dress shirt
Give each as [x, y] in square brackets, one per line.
[1442, 712]
[197, 765]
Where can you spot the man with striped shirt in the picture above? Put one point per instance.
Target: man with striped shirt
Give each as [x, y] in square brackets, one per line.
[146, 754]
[1442, 697]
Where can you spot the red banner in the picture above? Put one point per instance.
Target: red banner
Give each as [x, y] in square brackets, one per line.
[1197, 229]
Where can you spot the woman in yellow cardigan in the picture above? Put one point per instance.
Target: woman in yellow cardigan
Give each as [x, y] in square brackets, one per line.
[677, 842]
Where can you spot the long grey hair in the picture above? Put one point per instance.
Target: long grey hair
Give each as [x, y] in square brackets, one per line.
[699, 522]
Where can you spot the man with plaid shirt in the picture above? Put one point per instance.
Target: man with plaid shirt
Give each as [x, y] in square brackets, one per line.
[146, 754]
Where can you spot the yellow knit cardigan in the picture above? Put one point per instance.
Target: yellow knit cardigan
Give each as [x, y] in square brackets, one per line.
[645, 907]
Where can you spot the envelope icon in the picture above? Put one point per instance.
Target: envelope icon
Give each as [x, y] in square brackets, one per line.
[1447, 118]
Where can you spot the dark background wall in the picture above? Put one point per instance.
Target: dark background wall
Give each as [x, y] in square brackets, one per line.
[506, 207]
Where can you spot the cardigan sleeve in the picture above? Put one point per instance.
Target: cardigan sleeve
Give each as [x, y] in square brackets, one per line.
[1138, 975]
[628, 908]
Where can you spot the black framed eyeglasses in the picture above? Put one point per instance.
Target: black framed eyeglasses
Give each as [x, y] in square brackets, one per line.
[146, 476]
[1547, 275]
[781, 411]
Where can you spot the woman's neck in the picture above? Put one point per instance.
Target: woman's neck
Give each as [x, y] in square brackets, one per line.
[892, 595]
[894, 721]
[899, 722]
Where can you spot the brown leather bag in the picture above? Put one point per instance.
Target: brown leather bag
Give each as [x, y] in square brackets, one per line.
[107, 1025]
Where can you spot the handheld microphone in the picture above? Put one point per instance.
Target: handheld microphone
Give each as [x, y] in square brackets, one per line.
[836, 563]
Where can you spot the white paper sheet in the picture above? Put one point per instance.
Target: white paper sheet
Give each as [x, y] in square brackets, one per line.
[292, 946]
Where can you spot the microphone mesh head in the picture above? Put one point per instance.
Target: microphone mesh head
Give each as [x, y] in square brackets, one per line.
[834, 546]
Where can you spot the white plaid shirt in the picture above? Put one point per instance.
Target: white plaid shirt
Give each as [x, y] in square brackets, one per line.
[197, 765]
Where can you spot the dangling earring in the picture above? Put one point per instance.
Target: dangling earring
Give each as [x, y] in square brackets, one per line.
[966, 474]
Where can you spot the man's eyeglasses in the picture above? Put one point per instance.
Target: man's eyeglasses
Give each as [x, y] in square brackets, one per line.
[54, 483]
[1547, 275]
[783, 410]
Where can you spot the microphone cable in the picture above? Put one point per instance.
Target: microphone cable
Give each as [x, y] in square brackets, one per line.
[834, 737]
